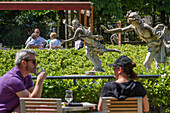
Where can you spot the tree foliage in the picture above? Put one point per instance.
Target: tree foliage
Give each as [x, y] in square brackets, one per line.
[105, 11]
[118, 8]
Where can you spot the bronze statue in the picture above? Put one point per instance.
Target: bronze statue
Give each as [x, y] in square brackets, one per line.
[156, 38]
[92, 42]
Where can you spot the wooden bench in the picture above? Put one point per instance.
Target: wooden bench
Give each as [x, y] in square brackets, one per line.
[40, 105]
[57, 47]
[130, 105]
[34, 47]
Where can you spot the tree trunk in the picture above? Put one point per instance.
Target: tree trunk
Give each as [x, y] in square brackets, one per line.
[163, 17]
[153, 16]
[62, 26]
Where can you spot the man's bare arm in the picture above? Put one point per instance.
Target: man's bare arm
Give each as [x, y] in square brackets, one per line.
[34, 92]
[31, 89]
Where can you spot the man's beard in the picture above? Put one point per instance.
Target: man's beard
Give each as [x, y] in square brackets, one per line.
[31, 70]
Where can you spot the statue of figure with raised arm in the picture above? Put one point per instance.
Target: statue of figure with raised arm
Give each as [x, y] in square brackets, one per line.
[157, 38]
[92, 42]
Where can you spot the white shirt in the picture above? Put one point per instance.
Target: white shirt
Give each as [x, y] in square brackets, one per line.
[54, 42]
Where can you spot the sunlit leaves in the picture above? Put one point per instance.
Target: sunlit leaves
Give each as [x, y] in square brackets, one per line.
[74, 62]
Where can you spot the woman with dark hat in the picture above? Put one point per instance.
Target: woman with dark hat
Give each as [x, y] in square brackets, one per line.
[123, 88]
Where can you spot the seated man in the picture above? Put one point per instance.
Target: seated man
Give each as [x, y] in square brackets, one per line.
[34, 41]
[18, 83]
[123, 88]
[41, 39]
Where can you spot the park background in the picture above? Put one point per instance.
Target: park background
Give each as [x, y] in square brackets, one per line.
[16, 26]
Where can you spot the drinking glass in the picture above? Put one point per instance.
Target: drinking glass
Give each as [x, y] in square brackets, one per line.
[39, 69]
[68, 96]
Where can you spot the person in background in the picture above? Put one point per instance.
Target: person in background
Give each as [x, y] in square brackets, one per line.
[54, 42]
[123, 87]
[18, 83]
[79, 44]
[43, 41]
[34, 41]
[48, 43]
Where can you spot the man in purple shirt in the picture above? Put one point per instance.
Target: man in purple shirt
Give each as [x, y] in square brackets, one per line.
[18, 82]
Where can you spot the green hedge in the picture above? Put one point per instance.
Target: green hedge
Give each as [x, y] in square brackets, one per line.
[74, 62]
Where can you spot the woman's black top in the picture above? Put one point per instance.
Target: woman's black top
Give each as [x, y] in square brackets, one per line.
[123, 90]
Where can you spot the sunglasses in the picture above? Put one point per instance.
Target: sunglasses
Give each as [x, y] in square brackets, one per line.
[33, 60]
[37, 32]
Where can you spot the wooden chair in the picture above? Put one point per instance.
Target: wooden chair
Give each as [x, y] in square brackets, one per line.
[40, 105]
[130, 105]
[34, 47]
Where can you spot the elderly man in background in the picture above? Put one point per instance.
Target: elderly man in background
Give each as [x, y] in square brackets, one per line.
[37, 31]
[34, 41]
[18, 83]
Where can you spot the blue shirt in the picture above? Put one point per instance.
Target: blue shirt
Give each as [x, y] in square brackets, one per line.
[11, 83]
[39, 38]
[34, 42]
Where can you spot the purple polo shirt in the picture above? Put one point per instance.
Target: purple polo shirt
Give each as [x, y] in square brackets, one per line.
[11, 83]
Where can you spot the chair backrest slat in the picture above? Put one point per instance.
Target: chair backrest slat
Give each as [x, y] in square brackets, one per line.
[34, 47]
[130, 105]
[40, 111]
[57, 47]
[40, 105]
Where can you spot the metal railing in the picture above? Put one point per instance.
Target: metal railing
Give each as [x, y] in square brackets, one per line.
[92, 76]
[75, 77]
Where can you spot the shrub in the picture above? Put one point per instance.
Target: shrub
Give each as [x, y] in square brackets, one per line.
[71, 62]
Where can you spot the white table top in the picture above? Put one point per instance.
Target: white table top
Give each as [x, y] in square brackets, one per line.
[86, 106]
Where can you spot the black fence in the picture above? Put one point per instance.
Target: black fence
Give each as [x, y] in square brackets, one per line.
[92, 76]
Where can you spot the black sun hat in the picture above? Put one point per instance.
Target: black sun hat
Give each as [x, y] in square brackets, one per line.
[122, 61]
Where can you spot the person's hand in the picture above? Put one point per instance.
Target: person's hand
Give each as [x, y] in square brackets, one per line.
[43, 45]
[42, 76]
[104, 28]
[62, 42]
[48, 46]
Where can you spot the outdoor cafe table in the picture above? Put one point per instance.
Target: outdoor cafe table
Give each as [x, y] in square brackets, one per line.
[86, 107]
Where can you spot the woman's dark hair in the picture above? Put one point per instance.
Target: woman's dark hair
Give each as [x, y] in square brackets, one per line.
[128, 69]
